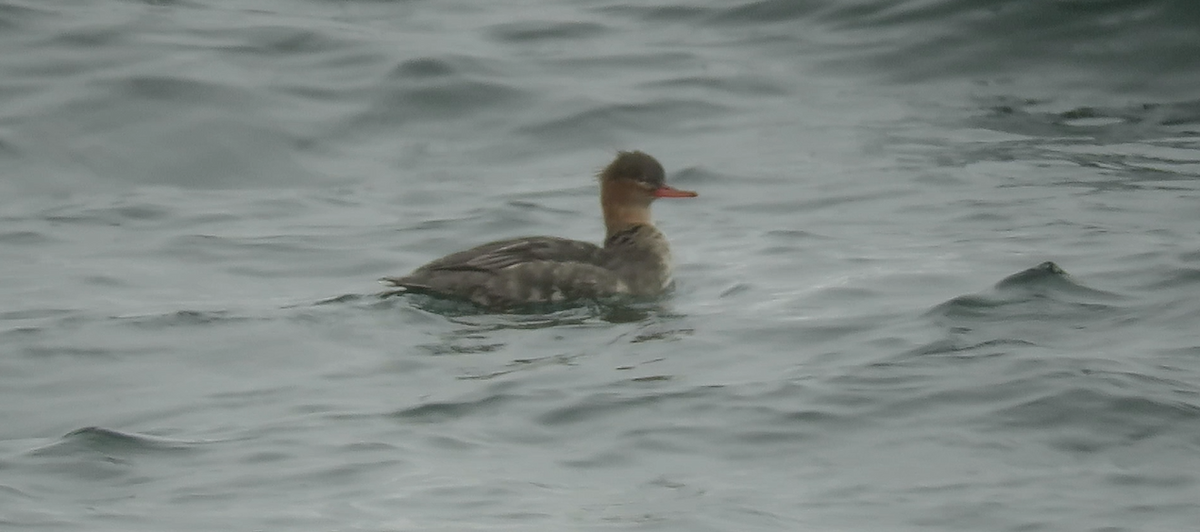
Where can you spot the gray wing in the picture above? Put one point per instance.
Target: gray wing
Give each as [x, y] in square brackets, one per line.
[507, 272]
[504, 253]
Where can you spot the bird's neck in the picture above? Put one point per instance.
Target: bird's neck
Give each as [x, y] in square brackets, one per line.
[624, 206]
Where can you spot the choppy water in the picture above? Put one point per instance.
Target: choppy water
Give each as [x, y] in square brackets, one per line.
[197, 197]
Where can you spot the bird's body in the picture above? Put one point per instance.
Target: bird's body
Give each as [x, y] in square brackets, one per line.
[635, 259]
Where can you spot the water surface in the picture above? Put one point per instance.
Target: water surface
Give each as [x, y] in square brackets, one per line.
[942, 274]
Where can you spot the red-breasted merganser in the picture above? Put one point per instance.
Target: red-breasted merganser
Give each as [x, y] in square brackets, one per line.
[635, 260]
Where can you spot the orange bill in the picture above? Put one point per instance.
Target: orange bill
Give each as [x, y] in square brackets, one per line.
[672, 192]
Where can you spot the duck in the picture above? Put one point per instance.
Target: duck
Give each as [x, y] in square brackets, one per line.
[634, 260]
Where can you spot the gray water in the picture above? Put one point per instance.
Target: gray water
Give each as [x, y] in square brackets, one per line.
[198, 196]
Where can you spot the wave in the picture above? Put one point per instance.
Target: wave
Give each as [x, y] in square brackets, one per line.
[1036, 293]
[1123, 44]
[109, 442]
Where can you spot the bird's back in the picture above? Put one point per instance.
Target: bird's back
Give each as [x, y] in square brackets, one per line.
[529, 270]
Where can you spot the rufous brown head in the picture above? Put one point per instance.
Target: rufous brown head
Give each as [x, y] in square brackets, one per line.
[644, 171]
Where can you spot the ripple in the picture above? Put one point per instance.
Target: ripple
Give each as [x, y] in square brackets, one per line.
[25, 238]
[740, 85]
[1090, 419]
[606, 121]
[439, 66]
[161, 87]
[57, 351]
[247, 255]
[651, 60]
[14, 16]
[771, 11]
[588, 408]
[444, 99]
[434, 412]
[276, 41]
[540, 30]
[119, 213]
[184, 318]
[677, 13]
[1148, 120]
